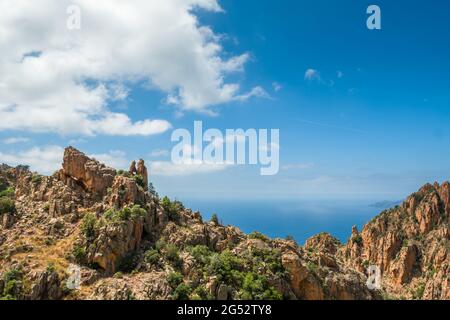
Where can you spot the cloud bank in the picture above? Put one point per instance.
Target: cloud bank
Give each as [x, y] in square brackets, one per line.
[53, 79]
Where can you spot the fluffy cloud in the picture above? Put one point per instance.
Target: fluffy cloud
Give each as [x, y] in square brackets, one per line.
[41, 159]
[14, 140]
[312, 75]
[115, 159]
[53, 79]
[47, 159]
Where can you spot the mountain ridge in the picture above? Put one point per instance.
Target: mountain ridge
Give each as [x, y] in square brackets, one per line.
[128, 243]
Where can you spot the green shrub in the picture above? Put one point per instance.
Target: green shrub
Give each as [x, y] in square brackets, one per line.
[172, 208]
[7, 205]
[182, 292]
[89, 226]
[128, 263]
[139, 180]
[201, 254]
[256, 287]
[358, 239]
[160, 245]
[227, 267]
[419, 291]
[258, 235]
[13, 285]
[152, 256]
[173, 255]
[152, 190]
[138, 212]
[46, 207]
[200, 293]
[290, 238]
[313, 267]
[36, 178]
[79, 253]
[9, 192]
[13, 274]
[124, 214]
[51, 267]
[270, 258]
[215, 219]
[174, 279]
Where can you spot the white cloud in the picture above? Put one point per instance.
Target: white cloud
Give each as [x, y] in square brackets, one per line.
[44, 160]
[276, 86]
[256, 92]
[14, 140]
[312, 75]
[115, 159]
[167, 168]
[53, 79]
[48, 159]
[339, 74]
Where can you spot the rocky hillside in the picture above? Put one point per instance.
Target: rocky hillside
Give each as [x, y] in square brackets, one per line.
[91, 232]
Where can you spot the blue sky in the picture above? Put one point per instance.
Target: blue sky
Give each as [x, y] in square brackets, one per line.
[370, 121]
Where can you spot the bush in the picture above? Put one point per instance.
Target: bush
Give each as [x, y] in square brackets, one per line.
[138, 212]
[256, 287]
[201, 254]
[152, 256]
[89, 226]
[174, 279]
[13, 285]
[152, 190]
[258, 235]
[160, 245]
[6, 205]
[172, 209]
[124, 214]
[215, 219]
[9, 192]
[419, 291]
[201, 294]
[128, 263]
[139, 180]
[79, 253]
[290, 238]
[182, 292]
[271, 258]
[36, 178]
[358, 239]
[173, 255]
[227, 267]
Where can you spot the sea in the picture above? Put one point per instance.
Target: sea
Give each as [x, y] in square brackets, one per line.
[281, 218]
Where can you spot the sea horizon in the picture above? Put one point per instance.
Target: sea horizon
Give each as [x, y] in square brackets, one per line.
[300, 219]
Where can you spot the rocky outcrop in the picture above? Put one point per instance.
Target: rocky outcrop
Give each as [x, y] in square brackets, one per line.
[125, 191]
[114, 242]
[143, 172]
[409, 243]
[91, 174]
[47, 286]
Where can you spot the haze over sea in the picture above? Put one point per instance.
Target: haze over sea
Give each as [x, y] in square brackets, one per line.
[279, 218]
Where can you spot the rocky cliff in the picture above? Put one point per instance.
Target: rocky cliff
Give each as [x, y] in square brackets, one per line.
[91, 232]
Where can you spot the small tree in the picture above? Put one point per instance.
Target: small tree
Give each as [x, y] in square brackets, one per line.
[215, 219]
